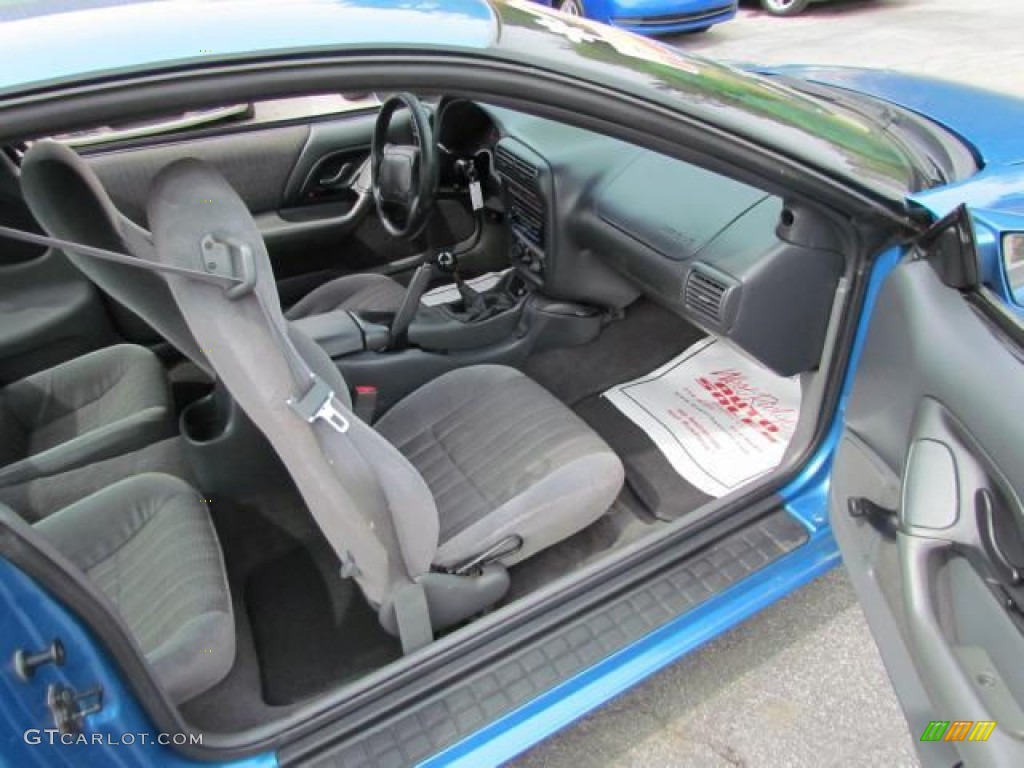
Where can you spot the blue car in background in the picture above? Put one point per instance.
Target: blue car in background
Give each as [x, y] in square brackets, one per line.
[653, 17]
[393, 382]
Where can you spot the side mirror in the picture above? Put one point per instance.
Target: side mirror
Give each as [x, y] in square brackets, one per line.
[1013, 264]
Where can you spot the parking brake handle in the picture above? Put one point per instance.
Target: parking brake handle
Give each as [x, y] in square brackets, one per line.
[419, 284]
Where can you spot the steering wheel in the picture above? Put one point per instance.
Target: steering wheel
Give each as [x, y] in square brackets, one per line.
[403, 176]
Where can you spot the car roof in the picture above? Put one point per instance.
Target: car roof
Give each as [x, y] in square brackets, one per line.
[100, 39]
[54, 41]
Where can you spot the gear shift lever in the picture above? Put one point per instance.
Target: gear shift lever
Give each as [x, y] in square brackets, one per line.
[444, 262]
[472, 300]
[477, 305]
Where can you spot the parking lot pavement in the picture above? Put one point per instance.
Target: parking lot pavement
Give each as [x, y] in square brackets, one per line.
[978, 42]
[802, 683]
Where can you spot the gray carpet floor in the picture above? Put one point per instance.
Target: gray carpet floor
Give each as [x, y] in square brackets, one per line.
[646, 337]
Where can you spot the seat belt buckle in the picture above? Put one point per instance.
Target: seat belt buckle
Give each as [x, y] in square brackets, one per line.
[318, 405]
[364, 402]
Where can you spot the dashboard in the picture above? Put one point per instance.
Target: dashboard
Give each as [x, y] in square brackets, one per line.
[592, 219]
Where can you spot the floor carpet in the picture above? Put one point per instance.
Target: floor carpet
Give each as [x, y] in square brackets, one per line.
[308, 637]
[645, 338]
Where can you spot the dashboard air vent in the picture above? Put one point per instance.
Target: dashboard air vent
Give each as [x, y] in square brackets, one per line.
[526, 209]
[514, 168]
[704, 296]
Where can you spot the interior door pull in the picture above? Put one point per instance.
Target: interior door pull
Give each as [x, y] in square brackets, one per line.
[339, 179]
[986, 506]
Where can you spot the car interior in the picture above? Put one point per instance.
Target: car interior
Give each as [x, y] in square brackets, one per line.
[368, 377]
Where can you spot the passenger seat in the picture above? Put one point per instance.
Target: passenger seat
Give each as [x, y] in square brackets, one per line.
[103, 404]
[148, 544]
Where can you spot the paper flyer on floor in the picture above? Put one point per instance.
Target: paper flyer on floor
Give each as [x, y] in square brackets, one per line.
[719, 418]
[446, 294]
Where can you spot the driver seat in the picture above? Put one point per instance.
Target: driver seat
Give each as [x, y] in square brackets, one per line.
[368, 291]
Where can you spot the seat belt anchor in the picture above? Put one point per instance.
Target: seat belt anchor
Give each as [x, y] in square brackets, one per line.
[318, 405]
[232, 258]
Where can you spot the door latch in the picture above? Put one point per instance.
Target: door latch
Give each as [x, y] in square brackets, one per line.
[70, 708]
[885, 521]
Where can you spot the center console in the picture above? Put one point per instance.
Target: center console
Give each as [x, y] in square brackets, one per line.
[398, 352]
[492, 318]
[445, 337]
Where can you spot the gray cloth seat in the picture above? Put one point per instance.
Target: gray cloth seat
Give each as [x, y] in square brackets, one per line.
[502, 457]
[522, 470]
[416, 533]
[149, 545]
[367, 291]
[103, 404]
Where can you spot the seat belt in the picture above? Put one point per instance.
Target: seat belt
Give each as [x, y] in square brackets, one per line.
[412, 614]
[224, 257]
[225, 281]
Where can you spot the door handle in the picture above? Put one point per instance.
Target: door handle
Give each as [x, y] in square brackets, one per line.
[334, 174]
[342, 178]
[990, 540]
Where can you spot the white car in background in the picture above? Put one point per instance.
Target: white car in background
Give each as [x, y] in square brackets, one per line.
[785, 7]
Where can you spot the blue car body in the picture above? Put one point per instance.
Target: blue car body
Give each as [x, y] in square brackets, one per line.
[660, 17]
[98, 40]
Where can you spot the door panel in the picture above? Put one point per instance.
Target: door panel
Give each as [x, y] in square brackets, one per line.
[257, 163]
[327, 141]
[932, 436]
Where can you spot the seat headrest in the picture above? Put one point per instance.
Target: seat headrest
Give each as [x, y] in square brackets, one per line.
[69, 202]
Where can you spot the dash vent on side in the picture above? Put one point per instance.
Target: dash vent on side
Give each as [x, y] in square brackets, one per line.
[513, 167]
[525, 206]
[706, 294]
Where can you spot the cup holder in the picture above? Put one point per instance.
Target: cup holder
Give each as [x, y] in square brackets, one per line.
[225, 450]
[208, 418]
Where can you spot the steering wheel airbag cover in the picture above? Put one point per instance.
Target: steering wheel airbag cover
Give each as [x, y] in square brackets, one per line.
[397, 175]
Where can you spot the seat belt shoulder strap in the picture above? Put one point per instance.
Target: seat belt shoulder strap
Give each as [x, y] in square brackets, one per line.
[412, 614]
